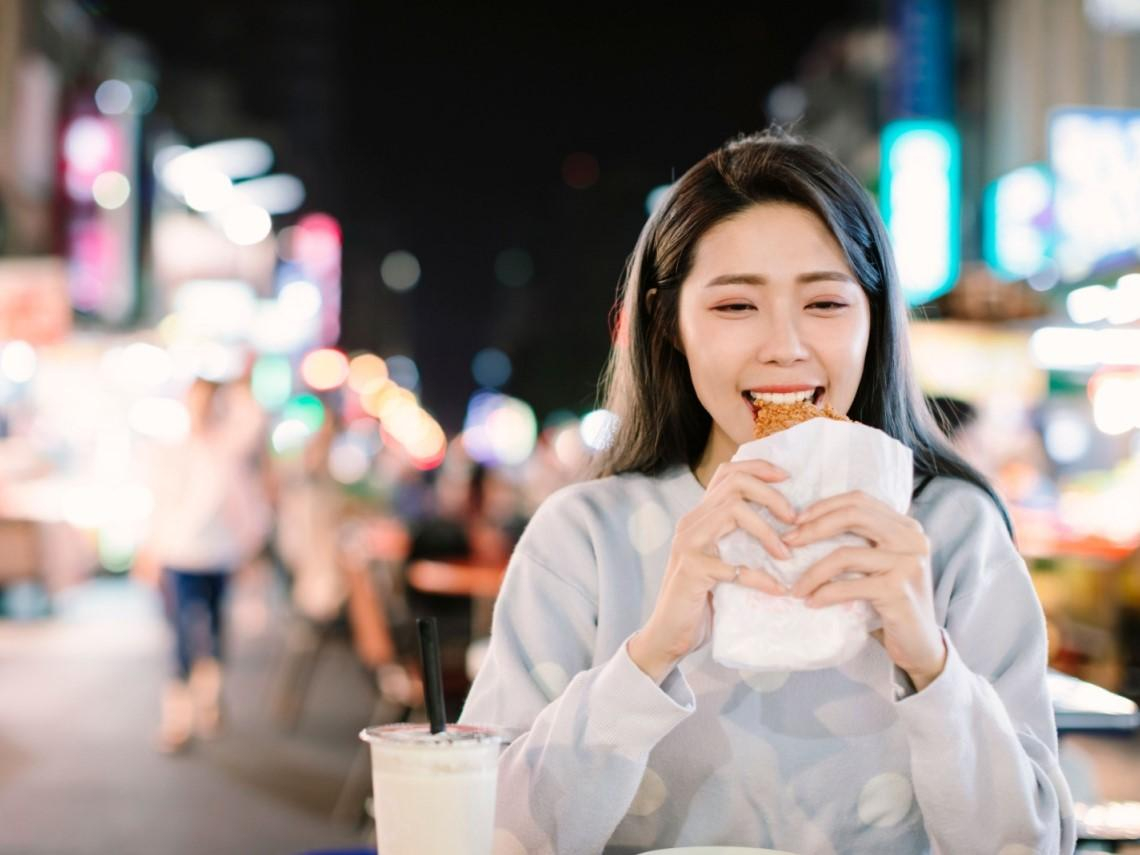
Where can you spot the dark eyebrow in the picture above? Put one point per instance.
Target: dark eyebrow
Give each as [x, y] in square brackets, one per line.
[756, 279]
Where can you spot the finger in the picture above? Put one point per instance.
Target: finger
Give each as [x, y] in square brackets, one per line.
[727, 517]
[707, 570]
[853, 497]
[880, 529]
[760, 468]
[742, 485]
[744, 517]
[761, 580]
[843, 560]
[869, 588]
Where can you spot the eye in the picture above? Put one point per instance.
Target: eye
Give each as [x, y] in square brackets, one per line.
[827, 305]
[733, 308]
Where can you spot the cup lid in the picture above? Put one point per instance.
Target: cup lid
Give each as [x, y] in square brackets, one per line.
[420, 734]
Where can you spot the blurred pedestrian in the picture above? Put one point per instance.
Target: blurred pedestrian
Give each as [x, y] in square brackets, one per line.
[206, 523]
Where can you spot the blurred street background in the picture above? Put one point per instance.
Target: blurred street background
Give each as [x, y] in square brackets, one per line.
[314, 296]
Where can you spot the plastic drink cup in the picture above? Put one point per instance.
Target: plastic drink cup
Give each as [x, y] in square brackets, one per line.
[433, 794]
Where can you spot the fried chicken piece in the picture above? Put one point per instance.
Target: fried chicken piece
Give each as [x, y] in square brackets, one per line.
[772, 418]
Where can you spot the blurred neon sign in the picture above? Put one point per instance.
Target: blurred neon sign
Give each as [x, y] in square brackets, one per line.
[920, 201]
[1018, 214]
[1095, 157]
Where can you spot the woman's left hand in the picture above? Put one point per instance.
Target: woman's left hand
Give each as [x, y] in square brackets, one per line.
[897, 581]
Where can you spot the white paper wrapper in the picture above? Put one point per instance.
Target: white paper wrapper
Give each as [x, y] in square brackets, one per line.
[824, 457]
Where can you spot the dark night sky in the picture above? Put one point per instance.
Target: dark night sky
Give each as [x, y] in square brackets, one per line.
[444, 133]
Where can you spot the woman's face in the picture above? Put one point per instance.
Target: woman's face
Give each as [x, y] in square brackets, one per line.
[770, 306]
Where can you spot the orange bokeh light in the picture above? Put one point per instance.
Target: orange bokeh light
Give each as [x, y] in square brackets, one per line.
[366, 370]
[324, 369]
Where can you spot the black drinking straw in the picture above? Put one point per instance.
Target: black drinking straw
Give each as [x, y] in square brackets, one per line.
[433, 674]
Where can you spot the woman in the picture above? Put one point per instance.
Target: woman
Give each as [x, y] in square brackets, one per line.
[767, 270]
[208, 520]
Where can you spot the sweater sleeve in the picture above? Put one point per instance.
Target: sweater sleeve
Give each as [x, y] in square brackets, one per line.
[579, 730]
[982, 735]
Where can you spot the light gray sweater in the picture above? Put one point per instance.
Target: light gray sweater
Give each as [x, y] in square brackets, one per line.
[840, 760]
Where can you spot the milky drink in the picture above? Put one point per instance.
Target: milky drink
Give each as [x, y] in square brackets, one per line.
[433, 794]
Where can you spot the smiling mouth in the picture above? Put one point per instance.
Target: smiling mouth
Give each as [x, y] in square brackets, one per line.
[788, 398]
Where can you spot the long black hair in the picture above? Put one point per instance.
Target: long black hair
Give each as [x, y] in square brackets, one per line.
[647, 383]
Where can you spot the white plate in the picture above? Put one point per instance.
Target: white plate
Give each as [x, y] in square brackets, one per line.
[718, 850]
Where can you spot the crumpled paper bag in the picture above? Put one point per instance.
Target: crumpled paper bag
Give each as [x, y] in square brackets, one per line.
[823, 457]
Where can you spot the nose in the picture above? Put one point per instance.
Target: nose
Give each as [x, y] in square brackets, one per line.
[781, 342]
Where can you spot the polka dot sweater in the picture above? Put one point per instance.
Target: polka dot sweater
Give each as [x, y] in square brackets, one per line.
[841, 760]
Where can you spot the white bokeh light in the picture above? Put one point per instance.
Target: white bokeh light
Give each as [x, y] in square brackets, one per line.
[18, 361]
[597, 429]
[1067, 437]
[246, 225]
[300, 299]
[110, 190]
[113, 97]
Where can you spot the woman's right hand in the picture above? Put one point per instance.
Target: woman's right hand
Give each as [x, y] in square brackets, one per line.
[682, 617]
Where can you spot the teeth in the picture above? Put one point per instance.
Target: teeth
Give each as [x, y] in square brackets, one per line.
[782, 397]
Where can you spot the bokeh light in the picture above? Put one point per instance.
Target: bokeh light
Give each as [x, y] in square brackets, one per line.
[514, 267]
[1089, 304]
[209, 190]
[427, 447]
[271, 381]
[372, 398]
[246, 224]
[404, 371]
[110, 190]
[316, 242]
[786, 103]
[289, 436]
[366, 371]
[396, 409]
[143, 96]
[569, 448]
[277, 194]
[499, 429]
[655, 197]
[1115, 398]
[300, 299]
[113, 97]
[513, 431]
[598, 429]
[324, 369]
[580, 170]
[400, 270]
[476, 439]
[491, 367]
[306, 409]
[18, 361]
[1067, 437]
[349, 460]
[87, 144]
[116, 544]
